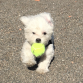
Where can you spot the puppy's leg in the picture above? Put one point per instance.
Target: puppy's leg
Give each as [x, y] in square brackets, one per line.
[45, 61]
[26, 55]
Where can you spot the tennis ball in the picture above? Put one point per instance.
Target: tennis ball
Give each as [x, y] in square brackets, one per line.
[37, 49]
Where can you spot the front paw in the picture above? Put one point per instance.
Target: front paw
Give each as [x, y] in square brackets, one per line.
[42, 70]
[31, 63]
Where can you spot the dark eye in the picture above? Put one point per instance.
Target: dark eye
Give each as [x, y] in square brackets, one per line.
[44, 33]
[33, 32]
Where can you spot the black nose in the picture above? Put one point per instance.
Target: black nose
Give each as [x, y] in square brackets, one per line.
[38, 40]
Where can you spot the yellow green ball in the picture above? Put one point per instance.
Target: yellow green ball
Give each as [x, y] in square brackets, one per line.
[38, 49]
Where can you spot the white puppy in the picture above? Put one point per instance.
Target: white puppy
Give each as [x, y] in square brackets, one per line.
[38, 29]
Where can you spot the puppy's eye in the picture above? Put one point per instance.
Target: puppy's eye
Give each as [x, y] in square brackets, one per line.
[44, 33]
[33, 32]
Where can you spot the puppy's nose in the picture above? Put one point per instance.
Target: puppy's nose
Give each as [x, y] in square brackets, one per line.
[38, 40]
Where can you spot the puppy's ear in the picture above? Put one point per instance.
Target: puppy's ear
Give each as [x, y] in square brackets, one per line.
[47, 17]
[24, 19]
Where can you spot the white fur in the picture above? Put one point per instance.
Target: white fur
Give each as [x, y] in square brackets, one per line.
[38, 24]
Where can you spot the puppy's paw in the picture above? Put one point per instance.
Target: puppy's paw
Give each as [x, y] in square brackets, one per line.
[31, 63]
[42, 70]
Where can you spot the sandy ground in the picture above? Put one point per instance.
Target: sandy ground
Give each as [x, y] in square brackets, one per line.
[67, 66]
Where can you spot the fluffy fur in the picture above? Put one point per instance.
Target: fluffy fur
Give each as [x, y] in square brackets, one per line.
[38, 29]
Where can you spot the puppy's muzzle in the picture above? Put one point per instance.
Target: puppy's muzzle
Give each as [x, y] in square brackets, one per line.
[38, 40]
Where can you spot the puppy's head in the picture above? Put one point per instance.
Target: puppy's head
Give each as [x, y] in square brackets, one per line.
[38, 28]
